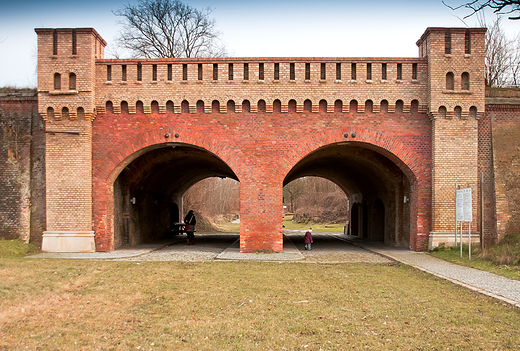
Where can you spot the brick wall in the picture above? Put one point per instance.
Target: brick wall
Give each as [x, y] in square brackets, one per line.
[505, 122]
[251, 144]
[22, 161]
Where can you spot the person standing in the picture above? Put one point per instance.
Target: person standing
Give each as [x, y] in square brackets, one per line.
[190, 222]
[308, 239]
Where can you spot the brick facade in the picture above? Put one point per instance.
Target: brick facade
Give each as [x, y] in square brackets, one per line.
[22, 162]
[125, 138]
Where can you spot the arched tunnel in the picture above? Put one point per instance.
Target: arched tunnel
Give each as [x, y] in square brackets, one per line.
[377, 187]
[148, 191]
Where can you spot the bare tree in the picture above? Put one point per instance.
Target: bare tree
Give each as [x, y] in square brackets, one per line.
[293, 191]
[316, 199]
[168, 28]
[514, 65]
[500, 7]
[213, 197]
[502, 56]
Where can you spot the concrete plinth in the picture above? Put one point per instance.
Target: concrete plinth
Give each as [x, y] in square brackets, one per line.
[448, 238]
[68, 241]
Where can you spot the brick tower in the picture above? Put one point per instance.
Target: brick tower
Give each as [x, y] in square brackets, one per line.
[66, 93]
[456, 94]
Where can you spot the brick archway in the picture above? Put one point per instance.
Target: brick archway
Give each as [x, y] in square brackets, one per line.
[107, 169]
[415, 167]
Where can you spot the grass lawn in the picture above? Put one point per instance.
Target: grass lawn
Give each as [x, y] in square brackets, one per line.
[109, 305]
[326, 227]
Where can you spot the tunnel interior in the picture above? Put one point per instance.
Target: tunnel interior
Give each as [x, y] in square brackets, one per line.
[376, 184]
[148, 192]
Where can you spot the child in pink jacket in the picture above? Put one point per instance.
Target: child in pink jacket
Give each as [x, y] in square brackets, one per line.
[308, 239]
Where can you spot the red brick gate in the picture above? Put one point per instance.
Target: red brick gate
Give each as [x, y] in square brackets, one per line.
[126, 138]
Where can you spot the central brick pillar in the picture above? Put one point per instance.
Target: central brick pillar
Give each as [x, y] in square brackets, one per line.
[261, 212]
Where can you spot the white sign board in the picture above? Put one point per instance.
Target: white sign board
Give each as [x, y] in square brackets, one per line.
[463, 205]
[459, 205]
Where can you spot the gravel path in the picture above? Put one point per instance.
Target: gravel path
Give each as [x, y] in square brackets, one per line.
[328, 249]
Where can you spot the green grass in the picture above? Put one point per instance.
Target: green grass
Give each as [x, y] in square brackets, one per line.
[74, 305]
[16, 248]
[328, 227]
[502, 258]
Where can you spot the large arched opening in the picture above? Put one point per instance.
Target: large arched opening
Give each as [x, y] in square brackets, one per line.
[148, 192]
[378, 185]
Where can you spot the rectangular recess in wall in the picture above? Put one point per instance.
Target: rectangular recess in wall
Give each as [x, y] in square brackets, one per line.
[261, 71]
[414, 70]
[246, 71]
[74, 42]
[215, 71]
[139, 72]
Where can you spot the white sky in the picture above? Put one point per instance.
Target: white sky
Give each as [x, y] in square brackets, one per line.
[284, 28]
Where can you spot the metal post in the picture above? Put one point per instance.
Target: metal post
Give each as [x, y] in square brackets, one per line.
[460, 239]
[469, 239]
[455, 214]
[481, 211]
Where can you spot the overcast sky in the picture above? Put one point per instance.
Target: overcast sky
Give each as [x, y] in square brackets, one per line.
[268, 28]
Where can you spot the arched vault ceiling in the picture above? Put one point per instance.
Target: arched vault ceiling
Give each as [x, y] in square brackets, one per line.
[354, 168]
[173, 170]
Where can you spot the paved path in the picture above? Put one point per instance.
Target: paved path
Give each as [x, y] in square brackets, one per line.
[328, 247]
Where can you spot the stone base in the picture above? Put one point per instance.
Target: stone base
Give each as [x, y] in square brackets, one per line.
[68, 241]
[448, 238]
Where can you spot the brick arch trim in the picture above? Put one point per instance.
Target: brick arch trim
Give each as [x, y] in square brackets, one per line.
[410, 163]
[125, 153]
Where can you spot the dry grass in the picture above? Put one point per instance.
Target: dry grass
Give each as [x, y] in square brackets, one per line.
[88, 305]
[502, 258]
[506, 252]
[16, 248]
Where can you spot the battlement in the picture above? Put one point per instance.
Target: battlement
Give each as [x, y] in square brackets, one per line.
[261, 83]
[69, 43]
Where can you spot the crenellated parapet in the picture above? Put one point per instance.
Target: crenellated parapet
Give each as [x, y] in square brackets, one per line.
[262, 85]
